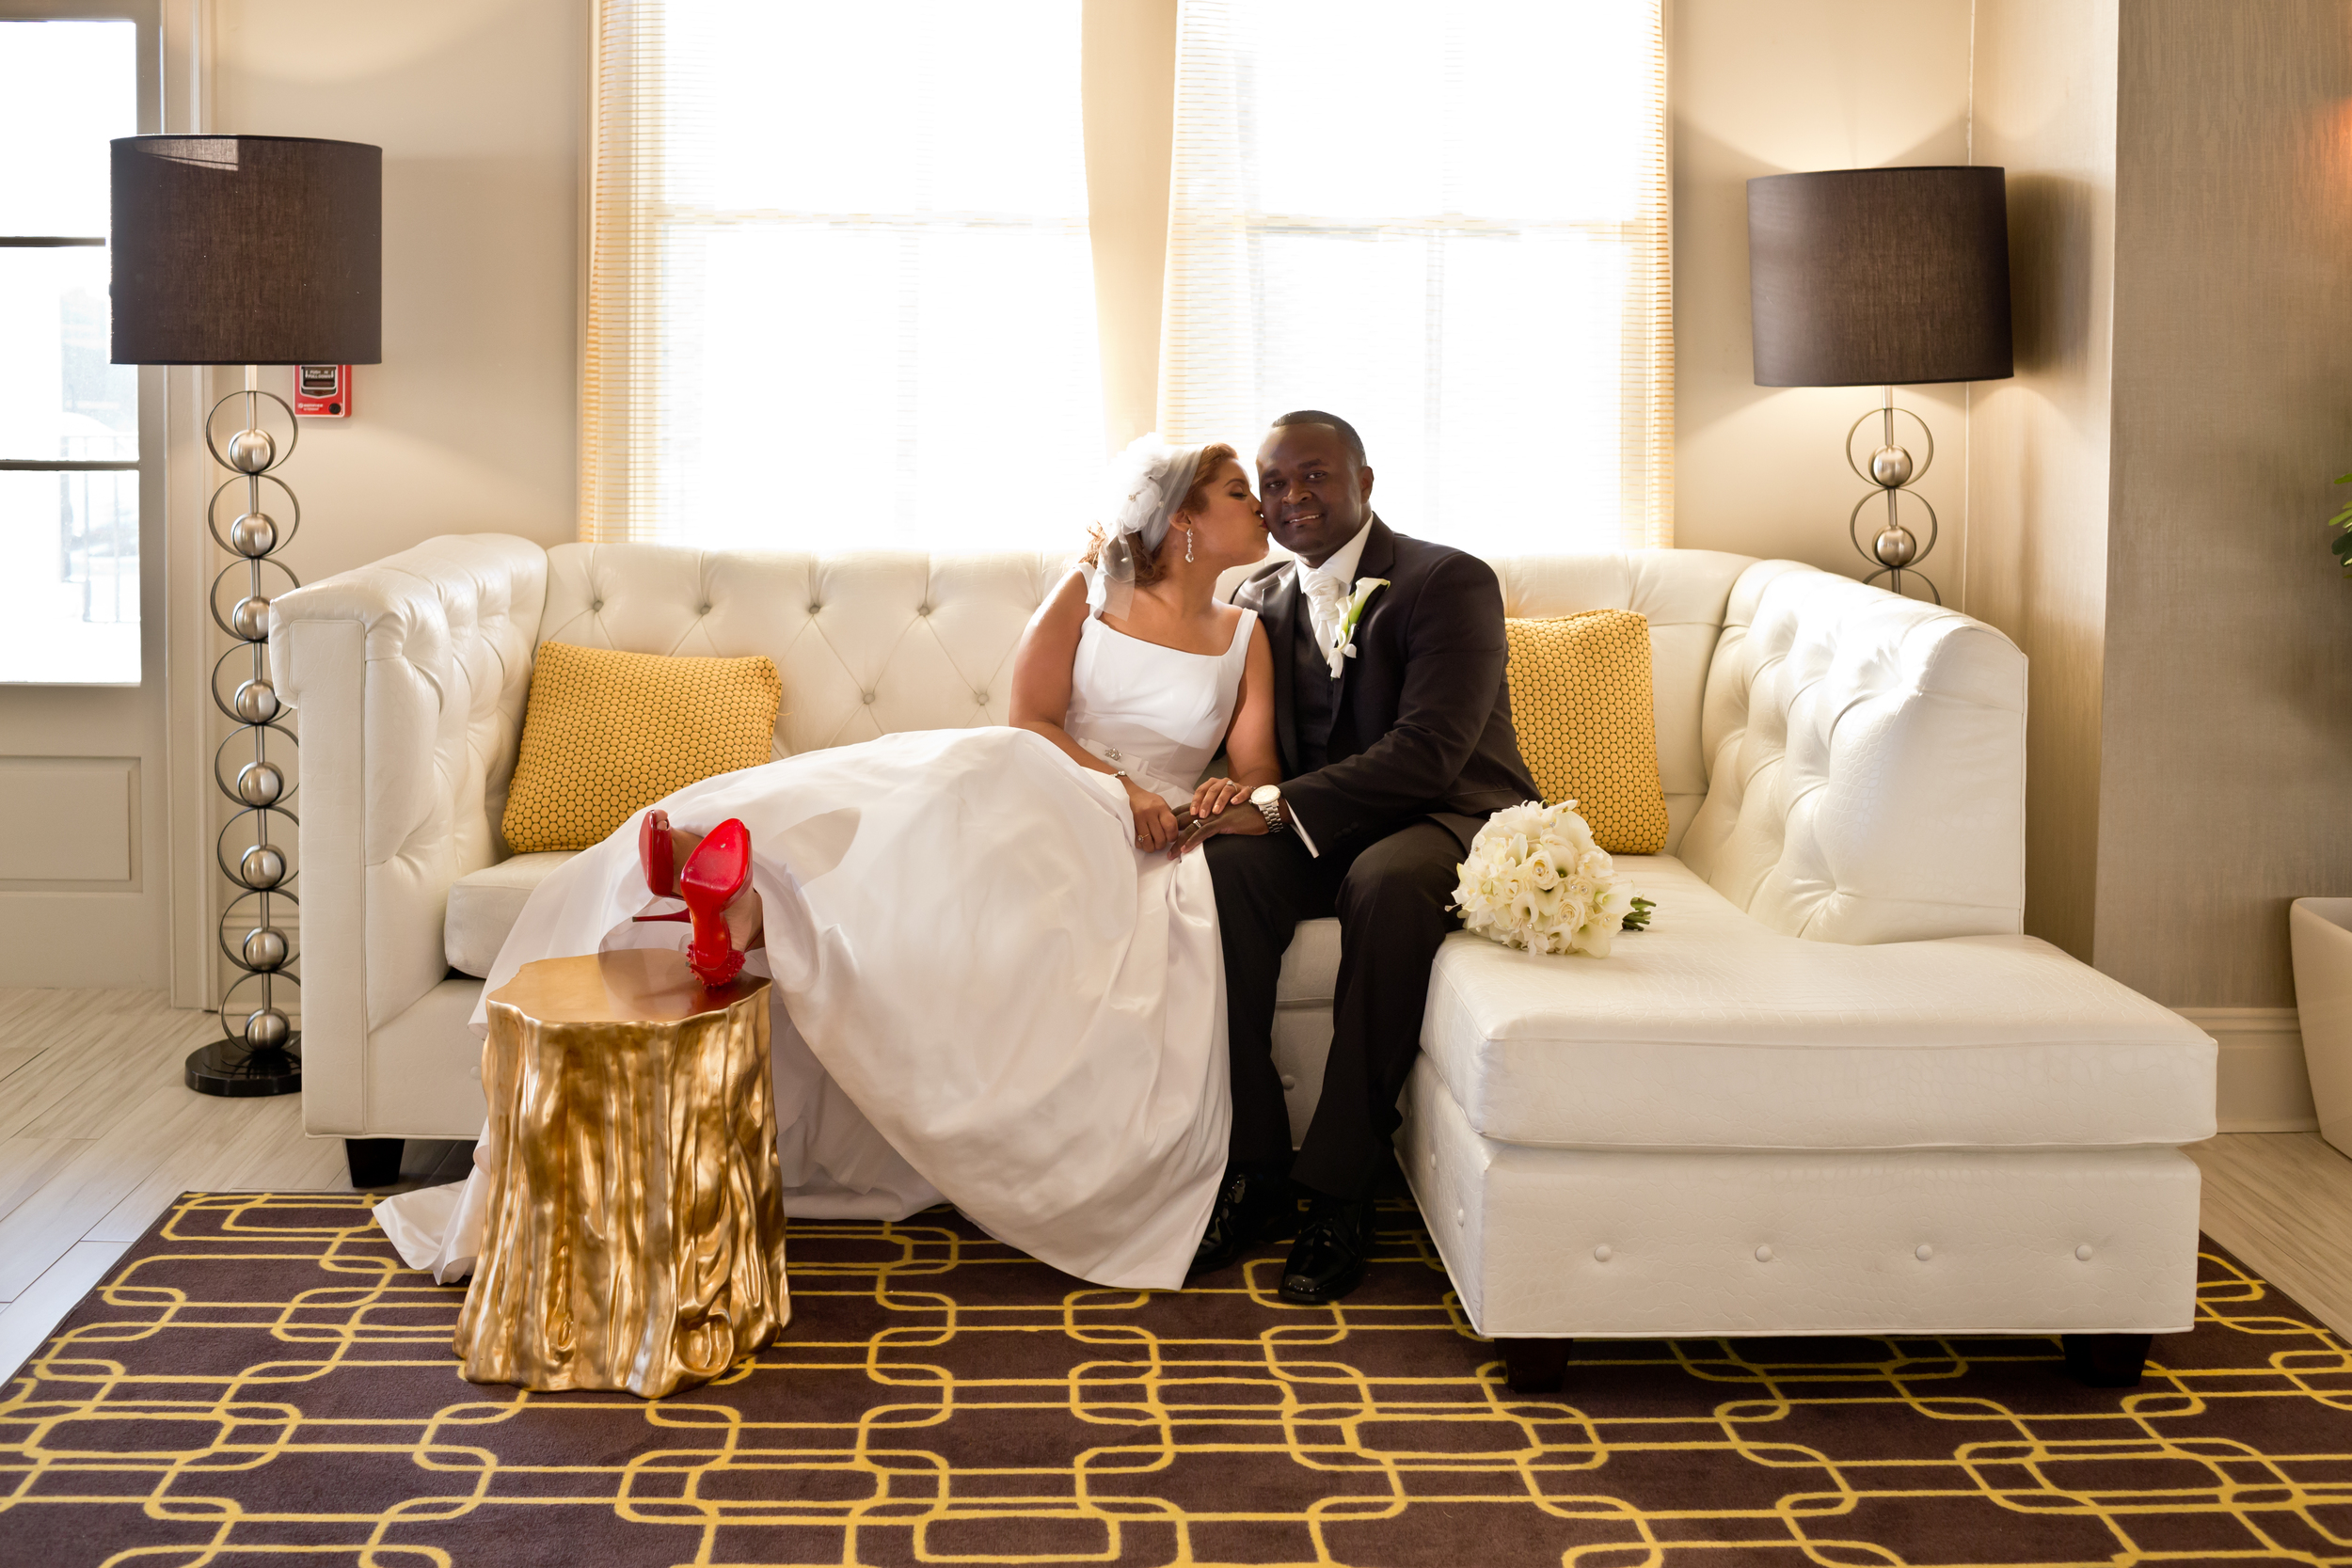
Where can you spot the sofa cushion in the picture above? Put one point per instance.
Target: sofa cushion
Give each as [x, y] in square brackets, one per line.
[485, 904]
[1711, 1031]
[607, 733]
[1310, 965]
[1581, 706]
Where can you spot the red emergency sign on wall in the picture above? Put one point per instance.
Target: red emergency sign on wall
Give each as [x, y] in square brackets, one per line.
[323, 391]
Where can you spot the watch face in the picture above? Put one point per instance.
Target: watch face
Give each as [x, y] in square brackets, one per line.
[1265, 794]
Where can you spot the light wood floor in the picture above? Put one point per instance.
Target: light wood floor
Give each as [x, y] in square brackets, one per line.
[97, 1135]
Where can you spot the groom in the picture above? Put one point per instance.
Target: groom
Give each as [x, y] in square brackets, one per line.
[1396, 735]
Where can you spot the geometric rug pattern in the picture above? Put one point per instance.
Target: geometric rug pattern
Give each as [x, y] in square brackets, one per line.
[262, 1382]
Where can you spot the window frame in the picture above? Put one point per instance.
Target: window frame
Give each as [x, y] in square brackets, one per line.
[147, 17]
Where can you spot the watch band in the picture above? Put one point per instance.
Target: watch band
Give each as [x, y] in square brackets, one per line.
[1275, 821]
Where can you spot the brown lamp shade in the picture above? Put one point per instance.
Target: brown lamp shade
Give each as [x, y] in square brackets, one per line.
[1879, 277]
[248, 250]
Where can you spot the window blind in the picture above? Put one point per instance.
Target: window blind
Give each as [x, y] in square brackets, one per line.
[1448, 225]
[840, 289]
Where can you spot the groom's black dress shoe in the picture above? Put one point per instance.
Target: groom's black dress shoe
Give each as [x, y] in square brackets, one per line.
[1247, 1206]
[1329, 1259]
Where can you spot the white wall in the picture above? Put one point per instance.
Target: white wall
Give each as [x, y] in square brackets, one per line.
[1775, 89]
[2044, 107]
[470, 423]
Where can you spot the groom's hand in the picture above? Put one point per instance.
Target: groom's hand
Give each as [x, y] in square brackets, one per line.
[1243, 818]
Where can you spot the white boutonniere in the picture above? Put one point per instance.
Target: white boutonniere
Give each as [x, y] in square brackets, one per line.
[1344, 640]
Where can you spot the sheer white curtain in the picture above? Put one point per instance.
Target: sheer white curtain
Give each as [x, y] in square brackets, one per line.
[840, 290]
[1448, 224]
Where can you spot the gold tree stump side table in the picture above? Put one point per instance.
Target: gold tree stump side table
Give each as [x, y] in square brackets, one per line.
[633, 1236]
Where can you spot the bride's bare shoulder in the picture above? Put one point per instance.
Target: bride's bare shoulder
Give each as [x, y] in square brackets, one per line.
[1066, 602]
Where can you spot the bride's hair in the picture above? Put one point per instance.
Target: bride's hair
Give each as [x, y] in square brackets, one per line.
[1150, 564]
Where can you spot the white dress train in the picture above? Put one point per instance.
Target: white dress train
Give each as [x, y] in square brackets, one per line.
[983, 990]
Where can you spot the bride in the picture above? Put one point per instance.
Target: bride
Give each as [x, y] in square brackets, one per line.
[994, 981]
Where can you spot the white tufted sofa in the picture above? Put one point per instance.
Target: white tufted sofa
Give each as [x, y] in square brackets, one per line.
[1832, 1090]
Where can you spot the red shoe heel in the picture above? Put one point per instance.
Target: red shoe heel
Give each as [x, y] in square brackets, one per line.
[714, 876]
[658, 853]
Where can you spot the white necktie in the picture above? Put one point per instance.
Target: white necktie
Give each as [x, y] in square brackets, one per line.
[1326, 605]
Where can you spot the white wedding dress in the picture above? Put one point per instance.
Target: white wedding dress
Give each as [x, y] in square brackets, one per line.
[983, 990]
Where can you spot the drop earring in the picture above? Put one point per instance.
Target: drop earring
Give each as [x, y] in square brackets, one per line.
[1188, 546]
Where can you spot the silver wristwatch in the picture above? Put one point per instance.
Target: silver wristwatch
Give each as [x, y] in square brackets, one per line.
[1268, 798]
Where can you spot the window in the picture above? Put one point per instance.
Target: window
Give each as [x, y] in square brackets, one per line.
[840, 287]
[69, 419]
[1447, 224]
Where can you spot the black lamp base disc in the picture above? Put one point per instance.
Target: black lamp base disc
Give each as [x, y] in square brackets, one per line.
[233, 1068]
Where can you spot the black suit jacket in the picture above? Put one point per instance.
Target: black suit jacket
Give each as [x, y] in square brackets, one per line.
[1423, 719]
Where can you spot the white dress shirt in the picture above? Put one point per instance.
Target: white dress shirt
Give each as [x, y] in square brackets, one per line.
[1325, 590]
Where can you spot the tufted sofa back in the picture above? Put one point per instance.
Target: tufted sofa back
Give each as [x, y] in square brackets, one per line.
[872, 643]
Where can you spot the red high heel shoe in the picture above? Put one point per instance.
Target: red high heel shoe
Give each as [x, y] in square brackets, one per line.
[658, 854]
[714, 876]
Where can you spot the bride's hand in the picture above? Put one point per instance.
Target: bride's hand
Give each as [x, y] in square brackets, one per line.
[1214, 797]
[1155, 824]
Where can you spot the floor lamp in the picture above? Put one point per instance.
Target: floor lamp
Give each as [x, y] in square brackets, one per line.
[249, 250]
[1880, 278]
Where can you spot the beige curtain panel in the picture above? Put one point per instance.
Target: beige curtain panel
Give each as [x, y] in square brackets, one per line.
[1448, 224]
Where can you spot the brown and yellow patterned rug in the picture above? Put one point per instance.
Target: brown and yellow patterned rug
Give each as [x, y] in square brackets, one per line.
[262, 1382]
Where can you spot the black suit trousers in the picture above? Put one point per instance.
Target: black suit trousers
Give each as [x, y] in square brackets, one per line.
[1391, 894]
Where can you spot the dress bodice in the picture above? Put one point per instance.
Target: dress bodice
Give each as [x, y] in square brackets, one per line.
[1158, 712]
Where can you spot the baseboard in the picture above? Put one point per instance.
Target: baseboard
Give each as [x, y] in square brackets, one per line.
[2262, 1085]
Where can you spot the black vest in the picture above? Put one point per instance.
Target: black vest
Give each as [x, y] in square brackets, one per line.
[1313, 693]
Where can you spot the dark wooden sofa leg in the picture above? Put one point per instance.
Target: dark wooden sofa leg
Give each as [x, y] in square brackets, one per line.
[2107, 1360]
[1535, 1366]
[374, 1162]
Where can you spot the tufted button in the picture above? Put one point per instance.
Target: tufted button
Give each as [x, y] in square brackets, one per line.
[595, 604]
[867, 695]
[1433, 1158]
[702, 610]
[922, 609]
[2082, 1252]
[1460, 1217]
[814, 606]
[1289, 1081]
[981, 697]
[1924, 1251]
[1601, 1253]
[1764, 1254]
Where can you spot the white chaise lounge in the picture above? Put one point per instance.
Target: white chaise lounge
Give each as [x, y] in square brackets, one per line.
[1833, 1092]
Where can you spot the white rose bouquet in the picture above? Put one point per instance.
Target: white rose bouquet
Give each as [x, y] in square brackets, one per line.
[1536, 880]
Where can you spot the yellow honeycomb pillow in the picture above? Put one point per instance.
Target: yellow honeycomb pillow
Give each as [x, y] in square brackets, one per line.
[608, 734]
[1581, 702]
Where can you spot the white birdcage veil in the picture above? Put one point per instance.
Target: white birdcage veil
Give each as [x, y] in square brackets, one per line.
[1147, 483]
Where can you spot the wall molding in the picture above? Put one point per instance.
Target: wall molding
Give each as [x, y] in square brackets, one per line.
[2264, 1087]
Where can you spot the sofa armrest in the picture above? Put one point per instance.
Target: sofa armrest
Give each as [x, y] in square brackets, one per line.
[408, 678]
[1867, 763]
